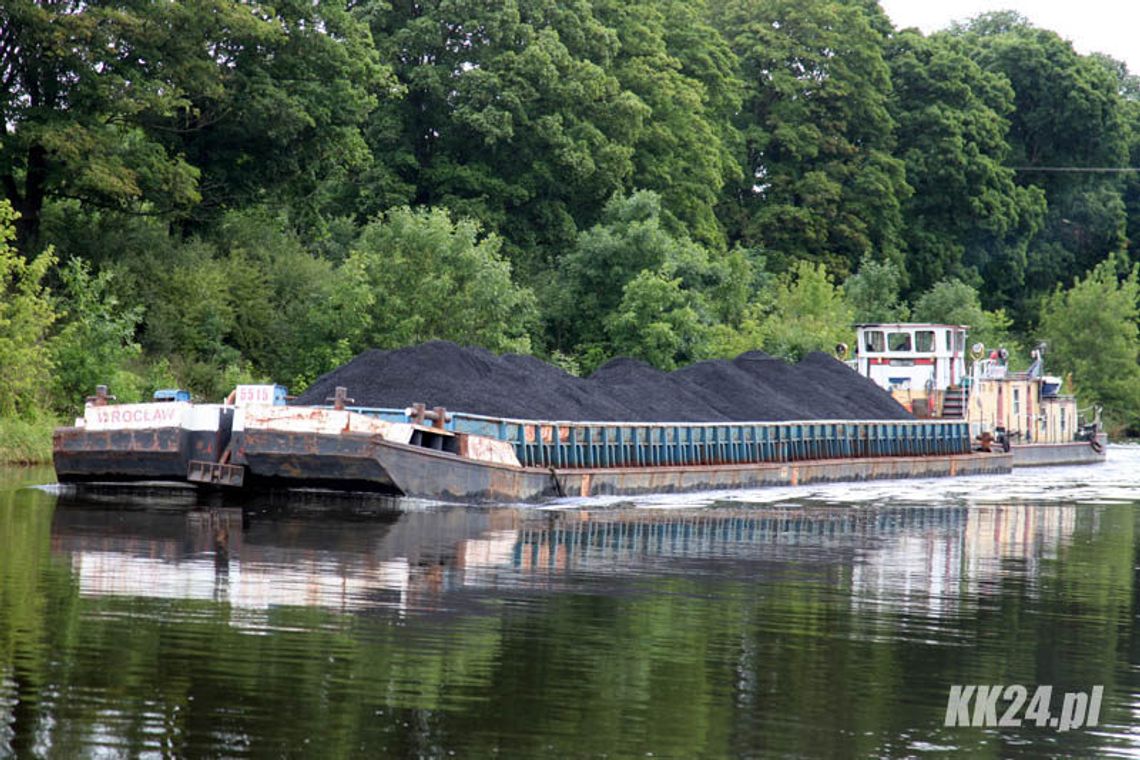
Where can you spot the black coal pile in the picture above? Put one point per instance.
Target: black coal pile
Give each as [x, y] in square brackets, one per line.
[738, 394]
[648, 394]
[850, 389]
[752, 387]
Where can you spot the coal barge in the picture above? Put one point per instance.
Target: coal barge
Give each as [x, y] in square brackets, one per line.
[436, 454]
[748, 423]
[461, 457]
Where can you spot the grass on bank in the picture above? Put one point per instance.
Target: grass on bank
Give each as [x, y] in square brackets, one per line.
[26, 441]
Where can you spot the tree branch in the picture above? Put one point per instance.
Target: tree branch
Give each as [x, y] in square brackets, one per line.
[112, 206]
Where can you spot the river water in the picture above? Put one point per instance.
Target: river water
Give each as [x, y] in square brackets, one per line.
[818, 621]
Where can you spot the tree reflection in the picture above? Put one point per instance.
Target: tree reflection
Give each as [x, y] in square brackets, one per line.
[728, 631]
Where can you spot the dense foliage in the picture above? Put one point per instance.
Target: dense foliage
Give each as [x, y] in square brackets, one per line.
[215, 190]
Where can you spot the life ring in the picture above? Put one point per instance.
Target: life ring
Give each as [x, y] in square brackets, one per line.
[1096, 445]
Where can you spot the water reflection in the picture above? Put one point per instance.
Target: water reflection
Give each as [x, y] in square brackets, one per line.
[936, 558]
[820, 623]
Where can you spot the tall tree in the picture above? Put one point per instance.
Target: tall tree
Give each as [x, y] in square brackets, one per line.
[953, 302]
[631, 266]
[282, 120]
[820, 182]
[26, 315]
[1068, 115]
[74, 89]
[873, 293]
[1092, 332]
[512, 117]
[435, 278]
[968, 216]
[1128, 87]
[682, 69]
[151, 107]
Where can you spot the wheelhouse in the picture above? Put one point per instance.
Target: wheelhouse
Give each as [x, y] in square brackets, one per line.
[912, 356]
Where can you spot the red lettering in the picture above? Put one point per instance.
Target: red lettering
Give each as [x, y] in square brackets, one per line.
[136, 415]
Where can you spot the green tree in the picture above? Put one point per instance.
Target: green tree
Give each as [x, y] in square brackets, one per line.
[820, 180]
[280, 112]
[954, 302]
[595, 303]
[1131, 188]
[873, 292]
[682, 69]
[807, 313]
[334, 327]
[512, 117]
[95, 342]
[151, 108]
[287, 303]
[1068, 114]
[1128, 88]
[26, 315]
[192, 320]
[79, 83]
[658, 320]
[435, 278]
[1091, 331]
[190, 310]
[967, 214]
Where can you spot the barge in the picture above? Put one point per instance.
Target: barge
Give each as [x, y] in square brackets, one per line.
[981, 418]
[140, 442]
[434, 454]
[1025, 413]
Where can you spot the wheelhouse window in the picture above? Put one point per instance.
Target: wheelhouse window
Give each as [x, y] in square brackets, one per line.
[924, 341]
[873, 341]
[898, 341]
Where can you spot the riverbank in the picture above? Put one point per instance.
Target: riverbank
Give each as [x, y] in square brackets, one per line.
[26, 441]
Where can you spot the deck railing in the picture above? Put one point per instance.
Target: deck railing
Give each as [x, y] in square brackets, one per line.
[573, 444]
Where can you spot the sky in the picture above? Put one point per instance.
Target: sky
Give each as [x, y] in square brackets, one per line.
[1104, 26]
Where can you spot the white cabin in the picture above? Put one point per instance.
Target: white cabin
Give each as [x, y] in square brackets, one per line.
[915, 357]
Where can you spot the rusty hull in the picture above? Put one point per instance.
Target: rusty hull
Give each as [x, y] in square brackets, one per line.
[354, 461]
[162, 453]
[369, 462]
[646, 480]
[145, 454]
